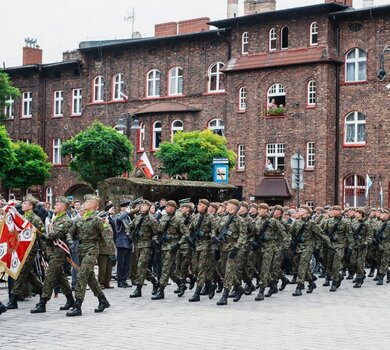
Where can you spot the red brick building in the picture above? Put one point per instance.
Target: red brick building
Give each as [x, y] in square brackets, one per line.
[272, 82]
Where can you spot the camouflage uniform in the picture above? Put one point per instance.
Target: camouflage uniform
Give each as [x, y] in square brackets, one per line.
[282, 245]
[184, 254]
[372, 250]
[251, 258]
[382, 238]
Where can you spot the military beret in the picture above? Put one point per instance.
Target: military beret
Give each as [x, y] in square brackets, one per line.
[146, 202]
[62, 199]
[319, 209]
[254, 205]
[244, 204]
[188, 205]
[385, 211]
[214, 205]
[337, 207]
[263, 206]
[223, 205]
[204, 201]
[373, 209]
[306, 207]
[278, 207]
[327, 207]
[172, 203]
[108, 207]
[91, 197]
[234, 202]
[361, 211]
[32, 200]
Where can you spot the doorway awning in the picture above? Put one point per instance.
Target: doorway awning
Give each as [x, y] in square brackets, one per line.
[166, 107]
[273, 187]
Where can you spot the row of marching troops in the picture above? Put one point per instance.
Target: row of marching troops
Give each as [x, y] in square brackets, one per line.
[216, 247]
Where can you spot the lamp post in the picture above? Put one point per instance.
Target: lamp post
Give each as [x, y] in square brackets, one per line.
[382, 73]
[124, 124]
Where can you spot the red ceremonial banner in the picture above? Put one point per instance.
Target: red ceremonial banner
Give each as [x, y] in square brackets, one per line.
[17, 237]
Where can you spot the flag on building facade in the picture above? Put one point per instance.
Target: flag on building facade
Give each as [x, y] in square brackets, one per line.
[145, 166]
[380, 194]
[368, 185]
[17, 237]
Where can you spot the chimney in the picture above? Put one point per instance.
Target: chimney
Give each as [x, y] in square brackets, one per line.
[32, 54]
[341, 2]
[232, 8]
[194, 25]
[258, 6]
[165, 29]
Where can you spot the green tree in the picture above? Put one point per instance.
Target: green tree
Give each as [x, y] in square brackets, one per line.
[31, 167]
[192, 153]
[7, 155]
[98, 153]
[6, 91]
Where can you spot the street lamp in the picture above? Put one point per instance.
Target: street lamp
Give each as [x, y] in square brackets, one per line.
[382, 72]
[124, 124]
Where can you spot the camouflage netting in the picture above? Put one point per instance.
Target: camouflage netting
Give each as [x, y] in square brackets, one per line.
[117, 189]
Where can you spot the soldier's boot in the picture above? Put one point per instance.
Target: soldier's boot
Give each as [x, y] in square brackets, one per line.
[192, 281]
[13, 302]
[376, 278]
[182, 288]
[69, 302]
[334, 286]
[155, 286]
[327, 282]
[239, 292]
[224, 298]
[388, 277]
[350, 275]
[249, 287]
[213, 287]
[260, 295]
[273, 289]
[138, 292]
[380, 280]
[359, 282]
[103, 304]
[177, 290]
[220, 285]
[285, 282]
[232, 293]
[76, 310]
[311, 287]
[40, 307]
[196, 296]
[3, 308]
[322, 273]
[205, 289]
[298, 290]
[160, 294]
[372, 272]
[294, 279]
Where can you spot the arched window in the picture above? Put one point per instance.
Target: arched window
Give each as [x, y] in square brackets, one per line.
[176, 81]
[49, 196]
[153, 83]
[216, 77]
[355, 128]
[141, 137]
[118, 85]
[245, 43]
[98, 88]
[356, 65]
[284, 38]
[177, 126]
[314, 33]
[311, 93]
[354, 191]
[217, 126]
[272, 39]
[157, 132]
[242, 93]
[276, 96]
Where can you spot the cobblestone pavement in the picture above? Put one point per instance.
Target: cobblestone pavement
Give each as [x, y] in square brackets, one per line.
[348, 319]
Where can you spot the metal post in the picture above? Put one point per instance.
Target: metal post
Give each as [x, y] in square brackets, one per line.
[299, 176]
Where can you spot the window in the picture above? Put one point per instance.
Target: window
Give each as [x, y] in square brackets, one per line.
[76, 101]
[242, 92]
[216, 77]
[26, 104]
[355, 128]
[275, 153]
[241, 157]
[245, 43]
[58, 103]
[311, 93]
[354, 191]
[284, 41]
[177, 126]
[49, 196]
[176, 81]
[356, 63]
[314, 33]
[57, 152]
[310, 155]
[9, 109]
[272, 39]
[118, 87]
[217, 126]
[157, 131]
[154, 78]
[98, 88]
[276, 96]
[141, 137]
[310, 204]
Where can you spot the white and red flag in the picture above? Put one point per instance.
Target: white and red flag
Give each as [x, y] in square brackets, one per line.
[17, 237]
[145, 166]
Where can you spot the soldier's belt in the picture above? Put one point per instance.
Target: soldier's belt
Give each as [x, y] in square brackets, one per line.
[88, 241]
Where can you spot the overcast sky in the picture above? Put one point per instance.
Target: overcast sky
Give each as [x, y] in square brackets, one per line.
[60, 25]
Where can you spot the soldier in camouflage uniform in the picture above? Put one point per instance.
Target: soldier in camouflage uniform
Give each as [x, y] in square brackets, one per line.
[90, 230]
[27, 272]
[374, 223]
[304, 233]
[142, 230]
[230, 234]
[171, 230]
[58, 230]
[382, 240]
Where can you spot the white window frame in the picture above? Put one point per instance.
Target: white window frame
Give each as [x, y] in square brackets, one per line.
[356, 62]
[242, 98]
[27, 104]
[311, 204]
[272, 39]
[217, 126]
[77, 102]
[118, 87]
[354, 124]
[56, 159]
[241, 157]
[98, 89]
[310, 155]
[218, 76]
[314, 34]
[58, 103]
[156, 130]
[275, 152]
[311, 93]
[141, 137]
[245, 43]
[175, 128]
[49, 196]
[281, 38]
[9, 109]
[153, 83]
[175, 81]
[276, 90]
[356, 187]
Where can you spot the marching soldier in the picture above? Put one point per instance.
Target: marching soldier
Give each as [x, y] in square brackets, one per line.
[382, 240]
